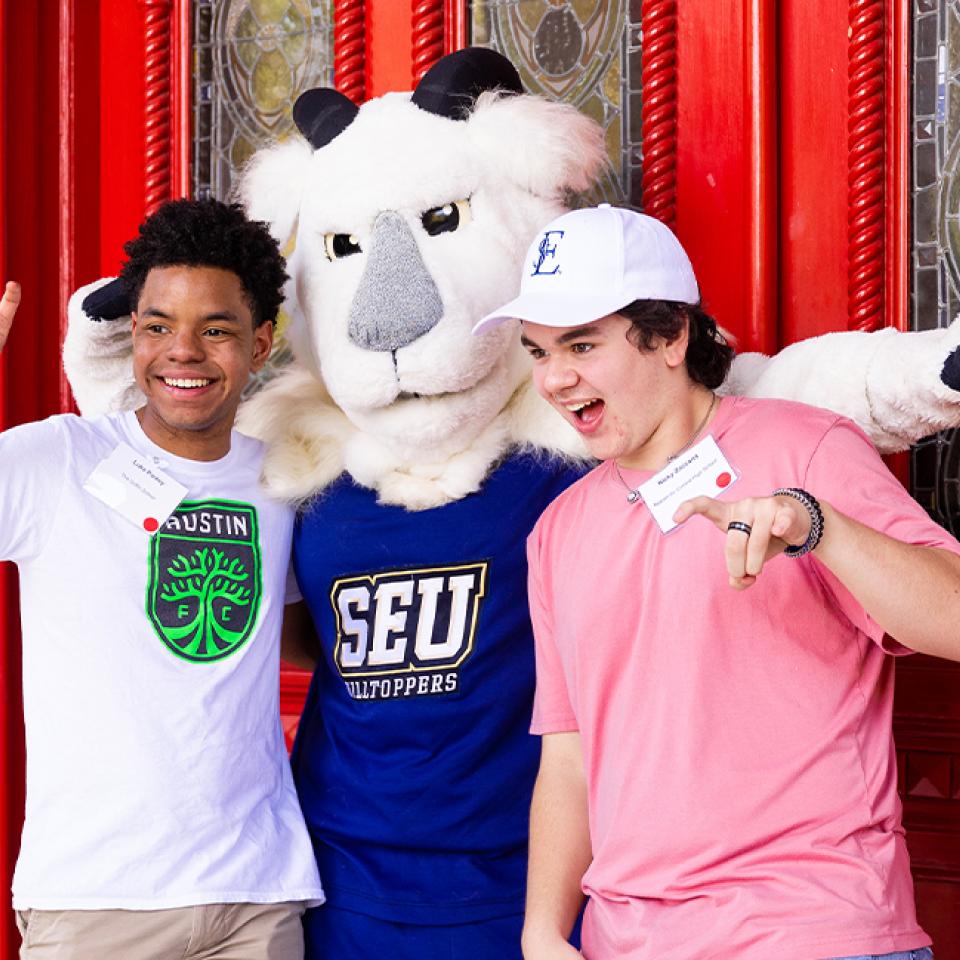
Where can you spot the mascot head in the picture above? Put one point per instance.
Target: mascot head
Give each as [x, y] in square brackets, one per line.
[407, 217]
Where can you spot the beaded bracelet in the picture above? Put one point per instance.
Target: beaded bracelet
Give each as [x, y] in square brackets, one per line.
[816, 519]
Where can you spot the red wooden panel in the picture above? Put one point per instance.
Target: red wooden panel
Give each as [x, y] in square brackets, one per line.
[813, 168]
[181, 87]
[762, 174]
[455, 18]
[937, 913]
[144, 125]
[927, 731]
[79, 167]
[389, 46]
[712, 182]
[899, 136]
[122, 169]
[725, 155]
[293, 692]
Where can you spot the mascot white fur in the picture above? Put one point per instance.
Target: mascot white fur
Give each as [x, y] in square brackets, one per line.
[421, 457]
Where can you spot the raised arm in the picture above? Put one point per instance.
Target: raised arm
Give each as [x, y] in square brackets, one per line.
[8, 309]
[912, 592]
[559, 849]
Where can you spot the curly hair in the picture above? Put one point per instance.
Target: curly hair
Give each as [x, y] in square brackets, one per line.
[208, 233]
[708, 356]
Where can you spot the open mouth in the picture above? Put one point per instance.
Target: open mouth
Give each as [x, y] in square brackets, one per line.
[587, 412]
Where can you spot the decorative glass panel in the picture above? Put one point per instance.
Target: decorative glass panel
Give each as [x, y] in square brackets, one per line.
[935, 301]
[585, 52]
[252, 59]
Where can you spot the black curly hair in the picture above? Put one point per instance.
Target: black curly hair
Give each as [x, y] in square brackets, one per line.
[208, 233]
[708, 356]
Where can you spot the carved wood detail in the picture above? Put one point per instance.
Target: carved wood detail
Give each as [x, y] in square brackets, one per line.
[158, 185]
[349, 49]
[865, 167]
[659, 110]
[428, 36]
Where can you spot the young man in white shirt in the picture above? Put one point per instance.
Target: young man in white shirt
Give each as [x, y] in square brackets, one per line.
[161, 818]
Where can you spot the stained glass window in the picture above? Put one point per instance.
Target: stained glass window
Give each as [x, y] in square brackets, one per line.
[935, 297]
[584, 52]
[252, 59]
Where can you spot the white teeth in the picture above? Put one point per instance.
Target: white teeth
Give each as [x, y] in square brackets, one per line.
[576, 407]
[184, 384]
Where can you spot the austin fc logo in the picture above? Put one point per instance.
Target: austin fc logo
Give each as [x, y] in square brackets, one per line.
[547, 250]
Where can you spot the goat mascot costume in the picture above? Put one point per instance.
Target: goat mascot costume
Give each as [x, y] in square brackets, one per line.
[421, 457]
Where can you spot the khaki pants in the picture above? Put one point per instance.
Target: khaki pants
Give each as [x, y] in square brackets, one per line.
[218, 931]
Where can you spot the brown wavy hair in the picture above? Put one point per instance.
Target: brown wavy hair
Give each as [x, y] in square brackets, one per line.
[708, 355]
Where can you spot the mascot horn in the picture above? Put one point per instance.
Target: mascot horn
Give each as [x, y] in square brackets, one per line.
[421, 457]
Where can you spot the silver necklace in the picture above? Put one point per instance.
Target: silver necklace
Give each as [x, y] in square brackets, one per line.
[633, 493]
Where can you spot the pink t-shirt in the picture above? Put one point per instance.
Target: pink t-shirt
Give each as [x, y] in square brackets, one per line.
[741, 771]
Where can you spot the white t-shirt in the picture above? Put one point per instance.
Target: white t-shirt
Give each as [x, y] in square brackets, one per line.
[157, 775]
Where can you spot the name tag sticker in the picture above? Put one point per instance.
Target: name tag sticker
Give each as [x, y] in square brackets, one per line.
[135, 487]
[702, 471]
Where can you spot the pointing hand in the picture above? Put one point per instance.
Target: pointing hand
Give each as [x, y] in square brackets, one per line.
[757, 529]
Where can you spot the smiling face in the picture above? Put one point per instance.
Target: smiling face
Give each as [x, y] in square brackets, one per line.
[636, 406]
[194, 348]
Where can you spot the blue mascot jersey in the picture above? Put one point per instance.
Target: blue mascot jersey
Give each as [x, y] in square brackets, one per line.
[413, 759]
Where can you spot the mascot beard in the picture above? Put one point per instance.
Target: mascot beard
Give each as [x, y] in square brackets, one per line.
[421, 457]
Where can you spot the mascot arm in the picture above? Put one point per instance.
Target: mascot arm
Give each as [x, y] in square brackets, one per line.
[97, 350]
[897, 387]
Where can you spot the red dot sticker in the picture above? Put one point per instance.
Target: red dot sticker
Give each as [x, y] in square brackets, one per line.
[150, 525]
[724, 479]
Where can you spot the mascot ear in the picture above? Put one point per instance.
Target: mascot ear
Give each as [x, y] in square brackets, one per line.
[451, 86]
[322, 114]
[108, 302]
[548, 149]
[272, 183]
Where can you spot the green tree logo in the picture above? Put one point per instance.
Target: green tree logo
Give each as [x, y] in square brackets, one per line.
[198, 583]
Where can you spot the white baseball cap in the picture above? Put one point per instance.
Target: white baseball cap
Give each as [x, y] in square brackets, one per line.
[590, 263]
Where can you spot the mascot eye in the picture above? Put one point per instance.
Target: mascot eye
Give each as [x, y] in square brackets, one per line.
[447, 218]
[340, 245]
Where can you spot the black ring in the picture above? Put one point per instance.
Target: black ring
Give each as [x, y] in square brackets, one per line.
[739, 525]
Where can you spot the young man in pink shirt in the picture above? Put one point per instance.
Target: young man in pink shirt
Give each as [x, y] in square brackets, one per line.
[718, 774]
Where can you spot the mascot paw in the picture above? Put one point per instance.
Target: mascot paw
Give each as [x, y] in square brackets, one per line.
[109, 302]
[950, 374]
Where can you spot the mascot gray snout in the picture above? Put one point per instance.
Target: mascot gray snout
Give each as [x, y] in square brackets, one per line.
[397, 301]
